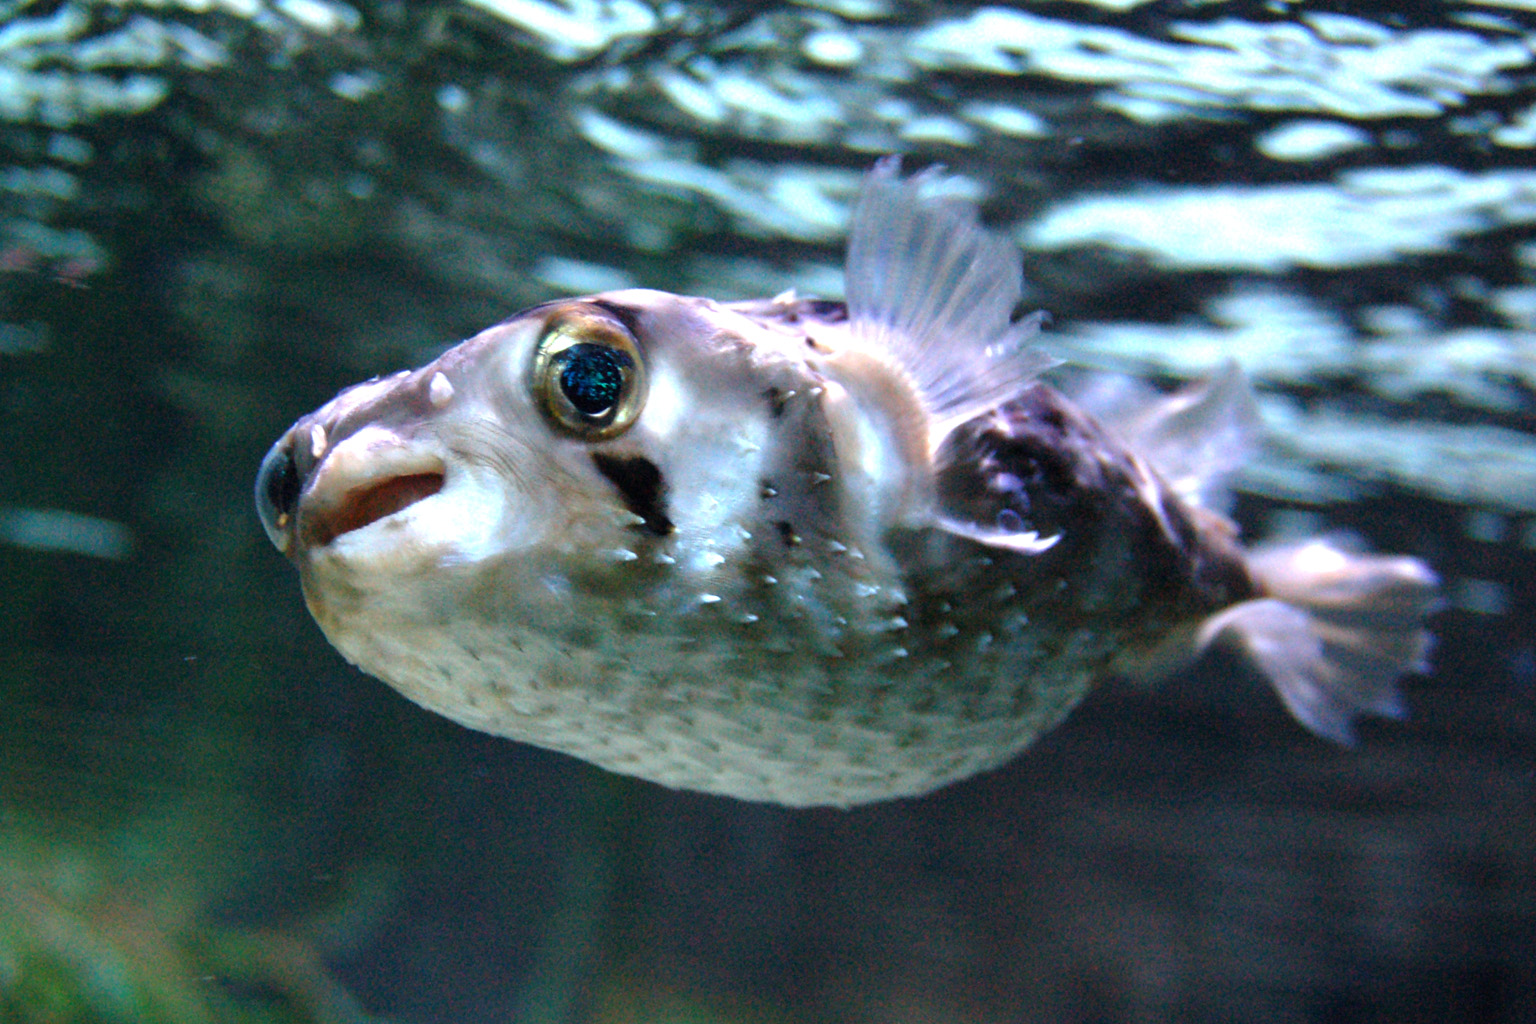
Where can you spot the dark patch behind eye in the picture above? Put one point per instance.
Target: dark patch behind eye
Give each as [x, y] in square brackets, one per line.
[642, 486]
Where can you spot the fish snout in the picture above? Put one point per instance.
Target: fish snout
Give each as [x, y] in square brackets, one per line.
[310, 492]
[358, 481]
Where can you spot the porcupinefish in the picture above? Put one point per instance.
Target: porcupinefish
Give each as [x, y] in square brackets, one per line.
[802, 551]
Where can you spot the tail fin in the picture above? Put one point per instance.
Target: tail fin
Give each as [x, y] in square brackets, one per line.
[1334, 631]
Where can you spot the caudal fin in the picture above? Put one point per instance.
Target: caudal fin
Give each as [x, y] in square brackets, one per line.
[1334, 631]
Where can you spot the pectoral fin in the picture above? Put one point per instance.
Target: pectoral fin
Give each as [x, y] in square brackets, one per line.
[935, 292]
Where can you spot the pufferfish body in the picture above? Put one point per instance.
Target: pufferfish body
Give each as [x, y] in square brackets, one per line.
[800, 551]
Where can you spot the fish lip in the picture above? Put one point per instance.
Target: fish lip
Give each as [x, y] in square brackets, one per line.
[368, 478]
[361, 507]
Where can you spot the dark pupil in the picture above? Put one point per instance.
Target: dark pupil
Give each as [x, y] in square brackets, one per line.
[592, 377]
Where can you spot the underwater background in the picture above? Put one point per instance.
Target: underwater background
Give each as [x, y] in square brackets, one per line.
[216, 213]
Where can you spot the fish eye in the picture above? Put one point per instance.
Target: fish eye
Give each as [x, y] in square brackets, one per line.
[588, 375]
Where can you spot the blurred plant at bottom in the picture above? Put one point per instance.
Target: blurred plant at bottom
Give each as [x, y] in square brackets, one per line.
[115, 927]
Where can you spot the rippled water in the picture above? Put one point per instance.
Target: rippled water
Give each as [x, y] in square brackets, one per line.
[215, 214]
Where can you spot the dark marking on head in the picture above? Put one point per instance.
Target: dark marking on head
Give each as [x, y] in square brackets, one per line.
[787, 533]
[827, 310]
[776, 401]
[795, 311]
[641, 485]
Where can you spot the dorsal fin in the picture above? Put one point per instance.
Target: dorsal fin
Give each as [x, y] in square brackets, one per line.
[1196, 437]
[927, 284]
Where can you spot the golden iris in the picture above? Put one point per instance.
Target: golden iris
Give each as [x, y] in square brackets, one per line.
[588, 375]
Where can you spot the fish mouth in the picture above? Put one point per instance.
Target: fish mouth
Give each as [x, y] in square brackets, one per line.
[364, 506]
[369, 477]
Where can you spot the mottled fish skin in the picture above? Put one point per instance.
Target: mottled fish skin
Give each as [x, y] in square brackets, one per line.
[824, 555]
[1129, 556]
